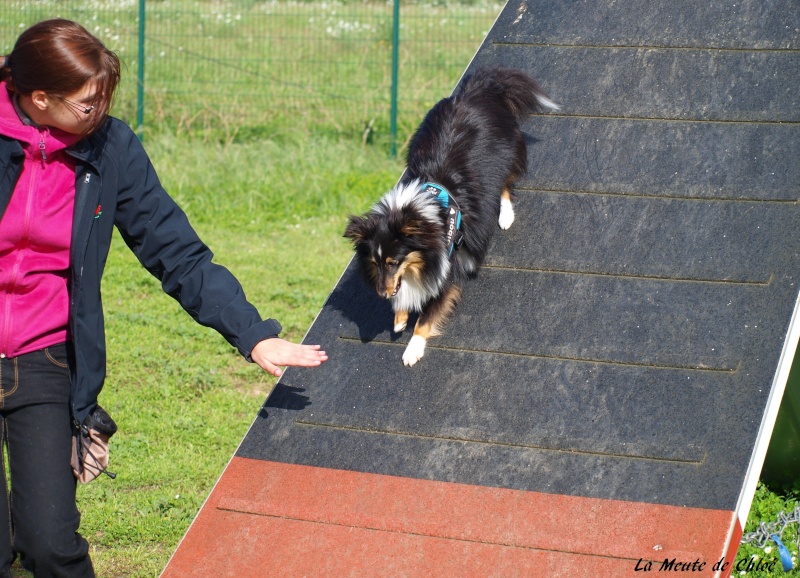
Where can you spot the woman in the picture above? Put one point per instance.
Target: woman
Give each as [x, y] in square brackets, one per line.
[69, 173]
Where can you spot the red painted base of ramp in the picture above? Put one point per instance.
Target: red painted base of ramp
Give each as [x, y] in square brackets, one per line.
[276, 519]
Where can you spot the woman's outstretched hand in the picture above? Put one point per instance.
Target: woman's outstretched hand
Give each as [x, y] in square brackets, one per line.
[271, 353]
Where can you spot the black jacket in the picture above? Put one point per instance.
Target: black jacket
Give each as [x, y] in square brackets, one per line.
[117, 185]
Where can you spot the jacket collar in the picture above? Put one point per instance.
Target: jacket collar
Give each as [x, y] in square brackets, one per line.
[31, 136]
[88, 149]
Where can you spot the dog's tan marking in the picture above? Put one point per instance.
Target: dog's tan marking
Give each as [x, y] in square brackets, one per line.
[413, 264]
[434, 322]
[430, 324]
[400, 321]
[390, 286]
[411, 228]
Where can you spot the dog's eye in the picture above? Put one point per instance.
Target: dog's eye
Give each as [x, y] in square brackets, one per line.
[392, 262]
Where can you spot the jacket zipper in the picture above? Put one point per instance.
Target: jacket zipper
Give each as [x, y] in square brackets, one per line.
[42, 147]
[26, 223]
[82, 190]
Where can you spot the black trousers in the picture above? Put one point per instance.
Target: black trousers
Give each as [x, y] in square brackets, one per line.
[39, 517]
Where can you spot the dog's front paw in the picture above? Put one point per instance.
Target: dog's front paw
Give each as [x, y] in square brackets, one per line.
[414, 351]
[506, 214]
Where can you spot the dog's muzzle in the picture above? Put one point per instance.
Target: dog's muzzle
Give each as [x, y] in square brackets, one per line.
[385, 293]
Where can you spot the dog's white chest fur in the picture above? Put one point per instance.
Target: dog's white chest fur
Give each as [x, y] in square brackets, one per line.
[410, 297]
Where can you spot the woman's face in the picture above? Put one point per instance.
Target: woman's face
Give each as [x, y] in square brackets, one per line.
[73, 113]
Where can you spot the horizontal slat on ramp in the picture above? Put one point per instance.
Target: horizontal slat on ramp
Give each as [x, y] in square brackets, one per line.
[664, 83]
[351, 524]
[667, 158]
[665, 238]
[738, 24]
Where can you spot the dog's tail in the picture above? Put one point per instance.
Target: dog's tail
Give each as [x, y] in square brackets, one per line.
[520, 93]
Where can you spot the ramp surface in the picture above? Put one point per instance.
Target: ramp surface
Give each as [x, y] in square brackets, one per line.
[605, 394]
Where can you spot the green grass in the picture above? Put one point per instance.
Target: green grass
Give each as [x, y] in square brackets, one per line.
[212, 67]
[244, 58]
[768, 503]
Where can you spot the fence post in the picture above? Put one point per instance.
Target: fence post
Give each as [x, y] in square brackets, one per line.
[140, 75]
[395, 61]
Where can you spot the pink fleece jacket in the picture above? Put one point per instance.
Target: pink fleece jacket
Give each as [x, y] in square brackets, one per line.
[35, 233]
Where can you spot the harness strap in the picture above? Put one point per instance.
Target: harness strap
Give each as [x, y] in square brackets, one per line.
[453, 232]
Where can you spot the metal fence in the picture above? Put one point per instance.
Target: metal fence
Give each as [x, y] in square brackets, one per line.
[240, 68]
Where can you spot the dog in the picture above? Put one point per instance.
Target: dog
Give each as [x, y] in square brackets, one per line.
[430, 233]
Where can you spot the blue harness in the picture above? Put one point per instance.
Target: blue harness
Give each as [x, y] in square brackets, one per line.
[453, 228]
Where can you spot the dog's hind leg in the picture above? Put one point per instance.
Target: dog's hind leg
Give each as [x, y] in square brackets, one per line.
[430, 323]
[506, 210]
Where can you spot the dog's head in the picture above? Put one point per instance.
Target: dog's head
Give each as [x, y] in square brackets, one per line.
[401, 238]
[387, 251]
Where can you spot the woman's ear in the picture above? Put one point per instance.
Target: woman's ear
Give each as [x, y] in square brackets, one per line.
[40, 100]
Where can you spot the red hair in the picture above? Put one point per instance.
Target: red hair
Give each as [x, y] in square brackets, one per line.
[59, 57]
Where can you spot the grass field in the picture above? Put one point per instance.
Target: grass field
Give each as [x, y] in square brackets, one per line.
[230, 69]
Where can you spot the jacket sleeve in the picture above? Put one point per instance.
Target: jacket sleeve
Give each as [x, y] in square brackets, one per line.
[160, 235]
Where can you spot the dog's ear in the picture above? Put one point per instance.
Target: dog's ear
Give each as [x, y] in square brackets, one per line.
[411, 227]
[356, 229]
[409, 224]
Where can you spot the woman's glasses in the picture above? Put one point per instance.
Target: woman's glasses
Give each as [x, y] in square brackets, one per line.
[78, 107]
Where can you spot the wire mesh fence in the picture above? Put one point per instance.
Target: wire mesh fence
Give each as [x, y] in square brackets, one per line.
[239, 68]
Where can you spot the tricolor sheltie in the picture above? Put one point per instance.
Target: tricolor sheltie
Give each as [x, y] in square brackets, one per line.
[428, 234]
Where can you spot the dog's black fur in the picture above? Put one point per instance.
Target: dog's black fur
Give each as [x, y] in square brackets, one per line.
[471, 145]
